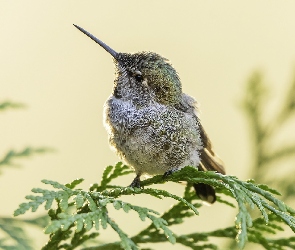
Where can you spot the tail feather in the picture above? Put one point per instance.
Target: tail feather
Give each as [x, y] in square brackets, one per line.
[209, 161]
[205, 192]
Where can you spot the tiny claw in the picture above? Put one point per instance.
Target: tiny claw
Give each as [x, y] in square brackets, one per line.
[167, 173]
[136, 182]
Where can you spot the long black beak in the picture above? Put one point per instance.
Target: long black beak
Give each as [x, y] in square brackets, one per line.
[102, 44]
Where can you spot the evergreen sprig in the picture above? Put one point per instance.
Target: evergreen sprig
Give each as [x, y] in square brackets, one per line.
[12, 155]
[13, 231]
[14, 236]
[84, 213]
[10, 105]
[266, 152]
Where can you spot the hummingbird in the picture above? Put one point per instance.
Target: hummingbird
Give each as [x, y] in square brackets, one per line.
[152, 125]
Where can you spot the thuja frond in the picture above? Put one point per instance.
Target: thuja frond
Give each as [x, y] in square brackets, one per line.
[245, 193]
[258, 234]
[40, 221]
[9, 104]
[96, 212]
[16, 237]
[111, 173]
[12, 155]
[264, 132]
[175, 215]
[80, 212]
[13, 233]
[288, 107]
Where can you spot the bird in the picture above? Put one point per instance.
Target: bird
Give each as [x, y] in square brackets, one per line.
[152, 125]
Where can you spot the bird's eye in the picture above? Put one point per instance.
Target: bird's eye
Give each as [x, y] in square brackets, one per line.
[138, 77]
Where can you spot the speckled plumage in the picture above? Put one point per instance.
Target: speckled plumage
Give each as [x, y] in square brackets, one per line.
[152, 125]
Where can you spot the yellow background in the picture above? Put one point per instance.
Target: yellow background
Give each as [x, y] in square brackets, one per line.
[64, 79]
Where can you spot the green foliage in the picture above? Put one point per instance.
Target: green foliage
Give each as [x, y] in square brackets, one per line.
[10, 105]
[13, 233]
[77, 216]
[86, 212]
[12, 155]
[267, 155]
[16, 237]
[264, 133]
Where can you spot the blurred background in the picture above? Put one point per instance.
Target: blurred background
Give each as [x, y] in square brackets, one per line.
[64, 78]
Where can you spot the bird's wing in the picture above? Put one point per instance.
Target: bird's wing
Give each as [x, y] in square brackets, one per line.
[209, 160]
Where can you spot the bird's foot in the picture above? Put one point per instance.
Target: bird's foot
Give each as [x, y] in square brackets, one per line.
[136, 182]
[168, 173]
